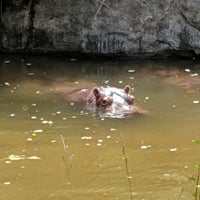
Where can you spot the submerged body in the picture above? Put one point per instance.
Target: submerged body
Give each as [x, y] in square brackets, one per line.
[108, 101]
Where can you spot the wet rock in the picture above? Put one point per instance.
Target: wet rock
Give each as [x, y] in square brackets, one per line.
[113, 28]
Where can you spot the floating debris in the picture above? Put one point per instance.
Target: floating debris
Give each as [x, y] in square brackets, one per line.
[145, 146]
[7, 83]
[6, 61]
[8, 162]
[29, 139]
[120, 82]
[38, 92]
[33, 158]
[167, 175]
[187, 70]
[47, 122]
[28, 64]
[12, 115]
[38, 131]
[173, 149]
[131, 70]
[22, 157]
[16, 157]
[7, 183]
[86, 138]
[31, 74]
[195, 102]
[33, 117]
[195, 74]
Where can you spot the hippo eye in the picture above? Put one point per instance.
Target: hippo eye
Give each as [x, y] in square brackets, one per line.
[130, 100]
[104, 102]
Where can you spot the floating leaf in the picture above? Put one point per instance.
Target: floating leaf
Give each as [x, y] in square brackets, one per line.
[196, 165]
[196, 141]
[192, 178]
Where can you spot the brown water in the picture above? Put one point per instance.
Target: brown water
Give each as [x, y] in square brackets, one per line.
[36, 123]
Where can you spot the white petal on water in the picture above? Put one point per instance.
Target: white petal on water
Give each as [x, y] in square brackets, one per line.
[29, 139]
[113, 129]
[7, 183]
[195, 74]
[87, 128]
[47, 122]
[86, 138]
[33, 117]
[38, 131]
[8, 162]
[167, 175]
[131, 70]
[173, 149]
[100, 141]
[16, 157]
[195, 102]
[28, 64]
[145, 146]
[7, 61]
[7, 83]
[108, 136]
[33, 158]
[99, 144]
[31, 74]
[38, 92]
[12, 115]
[187, 70]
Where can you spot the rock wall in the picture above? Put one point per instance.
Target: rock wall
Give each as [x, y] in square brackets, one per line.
[127, 28]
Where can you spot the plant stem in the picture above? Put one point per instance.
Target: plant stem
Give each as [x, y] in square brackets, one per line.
[197, 184]
[126, 165]
[67, 164]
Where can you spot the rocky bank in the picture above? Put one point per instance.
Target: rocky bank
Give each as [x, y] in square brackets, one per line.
[126, 28]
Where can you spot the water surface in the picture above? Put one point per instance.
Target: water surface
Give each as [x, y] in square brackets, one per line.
[56, 149]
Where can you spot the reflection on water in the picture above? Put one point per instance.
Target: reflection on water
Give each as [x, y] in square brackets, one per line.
[56, 149]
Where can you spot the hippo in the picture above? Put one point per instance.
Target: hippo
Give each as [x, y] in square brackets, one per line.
[111, 101]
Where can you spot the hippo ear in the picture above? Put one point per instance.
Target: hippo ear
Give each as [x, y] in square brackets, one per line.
[127, 89]
[96, 92]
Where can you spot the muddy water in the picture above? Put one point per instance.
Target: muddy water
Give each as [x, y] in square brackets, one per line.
[54, 149]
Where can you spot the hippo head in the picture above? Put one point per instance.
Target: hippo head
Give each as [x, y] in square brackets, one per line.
[112, 102]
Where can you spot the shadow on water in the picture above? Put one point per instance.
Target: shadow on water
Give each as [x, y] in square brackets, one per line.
[88, 162]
